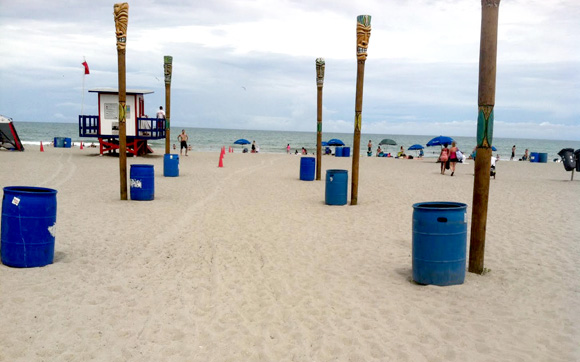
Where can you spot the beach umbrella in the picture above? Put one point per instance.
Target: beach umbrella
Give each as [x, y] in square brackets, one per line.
[493, 148]
[335, 142]
[415, 147]
[438, 141]
[242, 141]
[388, 142]
[324, 144]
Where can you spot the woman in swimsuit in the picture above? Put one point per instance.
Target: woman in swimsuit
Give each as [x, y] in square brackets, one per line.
[443, 157]
[453, 156]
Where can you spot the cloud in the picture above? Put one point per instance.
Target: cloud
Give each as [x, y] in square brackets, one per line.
[421, 74]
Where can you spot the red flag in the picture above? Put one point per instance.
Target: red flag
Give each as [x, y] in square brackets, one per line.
[86, 68]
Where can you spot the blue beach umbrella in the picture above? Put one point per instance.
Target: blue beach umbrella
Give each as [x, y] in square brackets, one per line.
[493, 148]
[415, 147]
[438, 141]
[324, 144]
[242, 141]
[335, 142]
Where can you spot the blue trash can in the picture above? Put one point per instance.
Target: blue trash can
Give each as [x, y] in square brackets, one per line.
[142, 182]
[170, 165]
[336, 187]
[28, 226]
[338, 152]
[346, 152]
[534, 157]
[307, 165]
[542, 157]
[59, 142]
[67, 142]
[439, 242]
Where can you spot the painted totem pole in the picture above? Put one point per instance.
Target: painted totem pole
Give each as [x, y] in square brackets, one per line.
[320, 64]
[121, 11]
[486, 102]
[167, 70]
[363, 33]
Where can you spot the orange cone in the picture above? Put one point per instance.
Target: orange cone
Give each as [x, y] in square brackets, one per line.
[41, 147]
[81, 145]
[221, 163]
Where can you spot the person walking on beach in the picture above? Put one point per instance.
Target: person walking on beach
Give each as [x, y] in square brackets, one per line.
[288, 149]
[513, 153]
[444, 157]
[182, 138]
[453, 157]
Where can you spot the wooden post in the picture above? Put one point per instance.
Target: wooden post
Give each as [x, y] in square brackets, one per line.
[167, 70]
[320, 64]
[363, 33]
[121, 11]
[486, 102]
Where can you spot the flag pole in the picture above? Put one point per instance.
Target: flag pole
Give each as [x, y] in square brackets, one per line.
[83, 94]
[121, 19]
[363, 33]
[486, 102]
[320, 64]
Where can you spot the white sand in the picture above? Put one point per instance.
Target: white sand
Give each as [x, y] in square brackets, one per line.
[247, 263]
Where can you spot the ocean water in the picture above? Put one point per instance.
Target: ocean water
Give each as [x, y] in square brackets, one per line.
[211, 140]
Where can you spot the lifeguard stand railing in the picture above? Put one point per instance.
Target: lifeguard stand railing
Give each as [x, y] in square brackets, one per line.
[88, 126]
[147, 128]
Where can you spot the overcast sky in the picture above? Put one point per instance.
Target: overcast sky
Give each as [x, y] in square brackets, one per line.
[251, 64]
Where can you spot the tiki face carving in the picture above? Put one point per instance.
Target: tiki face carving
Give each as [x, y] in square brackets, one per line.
[363, 33]
[168, 68]
[320, 64]
[121, 11]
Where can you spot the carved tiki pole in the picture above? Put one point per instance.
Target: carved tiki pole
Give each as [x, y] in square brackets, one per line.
[167, 70]
[121, 19]
[319, 84]
[363, 33]
[486, 102]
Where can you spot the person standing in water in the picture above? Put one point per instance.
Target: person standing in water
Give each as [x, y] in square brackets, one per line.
[183, 139]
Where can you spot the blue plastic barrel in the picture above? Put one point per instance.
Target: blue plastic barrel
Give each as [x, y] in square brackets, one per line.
[307, 165]
[142, 182]
[346, 152]
[67, 142]
[543, 157]
[338, 152]
[439, 242]
[28, 226]
[534, 157]
[59, 142]
[336, 187]
[170, 165]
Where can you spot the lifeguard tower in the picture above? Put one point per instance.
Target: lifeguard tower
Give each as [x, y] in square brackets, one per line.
[105, 126]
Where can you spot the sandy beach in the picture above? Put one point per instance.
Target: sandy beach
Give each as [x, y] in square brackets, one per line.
[247, 263]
